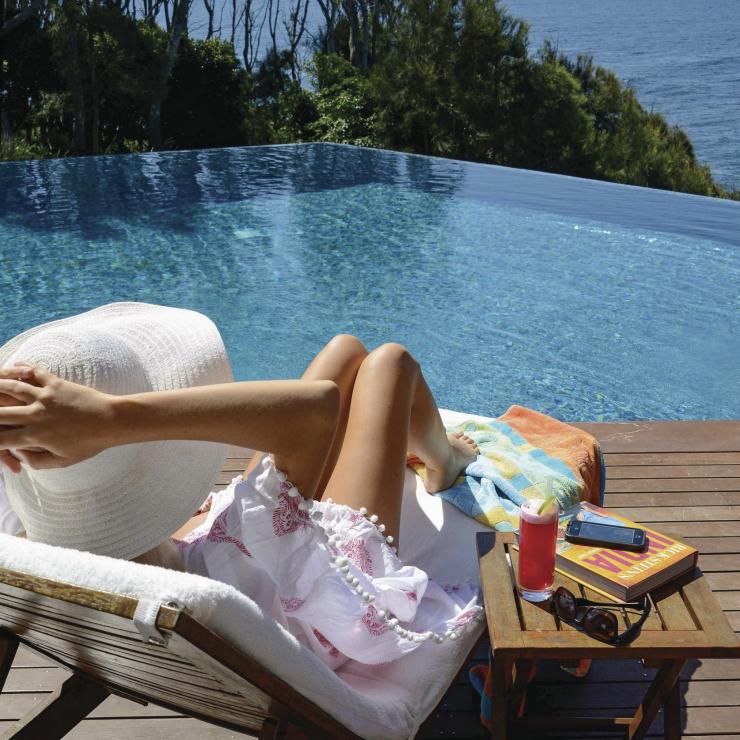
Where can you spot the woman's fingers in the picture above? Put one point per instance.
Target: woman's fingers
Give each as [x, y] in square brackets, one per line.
[20, 370]
[27, 372]
[8, 459]
[13, 437]
[16, 415]
[19, 389]
[41, 460]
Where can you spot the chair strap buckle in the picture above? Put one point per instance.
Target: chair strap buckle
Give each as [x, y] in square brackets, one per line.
[145, 620]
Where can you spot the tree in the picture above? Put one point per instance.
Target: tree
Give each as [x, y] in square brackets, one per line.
[208, 96]
[345, 109]
[69, 47]
[167, 57]
[13, 17]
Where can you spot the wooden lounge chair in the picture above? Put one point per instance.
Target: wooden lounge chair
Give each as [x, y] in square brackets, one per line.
[203, 649]
[179, 663]
[149, 651]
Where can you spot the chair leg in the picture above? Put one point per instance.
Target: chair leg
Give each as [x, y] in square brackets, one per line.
[660, 690]
[65, 708]
[273, 729]
[672, 714]
[268, 731]
[501, 676]
[8, 649]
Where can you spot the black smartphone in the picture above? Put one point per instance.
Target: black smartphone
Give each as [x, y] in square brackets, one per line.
[606, 535]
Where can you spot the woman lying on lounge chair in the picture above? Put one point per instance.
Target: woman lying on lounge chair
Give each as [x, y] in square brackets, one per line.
[107, 428]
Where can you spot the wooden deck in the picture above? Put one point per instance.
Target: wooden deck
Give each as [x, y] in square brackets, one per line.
[682, 477]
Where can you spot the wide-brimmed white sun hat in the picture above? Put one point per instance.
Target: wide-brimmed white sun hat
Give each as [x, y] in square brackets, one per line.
[127, 499]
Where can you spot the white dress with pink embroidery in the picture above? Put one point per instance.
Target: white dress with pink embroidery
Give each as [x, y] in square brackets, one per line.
[325, 572]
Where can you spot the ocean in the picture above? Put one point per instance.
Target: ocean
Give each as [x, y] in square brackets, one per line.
[681, 56]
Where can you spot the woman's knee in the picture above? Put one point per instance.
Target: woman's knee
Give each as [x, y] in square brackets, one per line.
[392, 357]
[326, 398]
[348, 345]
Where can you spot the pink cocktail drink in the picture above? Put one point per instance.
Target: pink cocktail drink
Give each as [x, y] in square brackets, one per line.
[537, 537]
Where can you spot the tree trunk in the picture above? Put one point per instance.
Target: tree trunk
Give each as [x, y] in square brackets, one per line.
[6, 133]
[179, 27]
[329, 11]
[210, 11]
[77, 88]
[6, 130]
[155, 124]
[364, 11]
[350, 10]
[94, 97]
[11, 24]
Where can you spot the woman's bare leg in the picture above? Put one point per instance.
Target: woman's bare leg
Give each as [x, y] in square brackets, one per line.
[338, 361]
[392, 411]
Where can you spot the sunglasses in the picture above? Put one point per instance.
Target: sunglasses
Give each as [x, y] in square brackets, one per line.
[594, 617]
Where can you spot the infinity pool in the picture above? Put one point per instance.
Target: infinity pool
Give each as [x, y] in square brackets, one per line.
[583, 299]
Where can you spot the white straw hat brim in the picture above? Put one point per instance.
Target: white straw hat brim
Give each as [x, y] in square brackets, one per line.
[139, 494]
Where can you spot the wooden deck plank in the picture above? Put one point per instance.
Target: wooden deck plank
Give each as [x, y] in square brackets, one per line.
[646, 485]
[640, 459]
[711, 563]
[14, 706]
[146, 729]
[625, 693]
[656, 472]
[696, 529]
[666, 436]
[614, 499]
[27, 658]
[647, 514]
[715, 544]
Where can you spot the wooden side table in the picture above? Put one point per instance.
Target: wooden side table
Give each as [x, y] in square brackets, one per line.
[686, 623]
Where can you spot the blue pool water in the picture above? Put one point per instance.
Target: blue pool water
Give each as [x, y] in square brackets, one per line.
[585, 300]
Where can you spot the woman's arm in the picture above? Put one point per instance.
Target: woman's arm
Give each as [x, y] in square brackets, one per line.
[67, 422]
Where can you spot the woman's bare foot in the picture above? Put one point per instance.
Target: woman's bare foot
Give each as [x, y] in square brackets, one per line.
[441, 475]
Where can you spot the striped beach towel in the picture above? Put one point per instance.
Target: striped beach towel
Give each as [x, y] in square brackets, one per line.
[524, 455]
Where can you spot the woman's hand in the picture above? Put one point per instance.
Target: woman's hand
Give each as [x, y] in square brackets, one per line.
[53, 423]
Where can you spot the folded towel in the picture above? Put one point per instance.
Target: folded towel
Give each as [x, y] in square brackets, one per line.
[524, 455]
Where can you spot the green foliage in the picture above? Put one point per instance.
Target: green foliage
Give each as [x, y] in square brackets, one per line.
[344, 105]
[413, 81]
[551, 127]
[294, 114]
[207, 97]
[445, 77]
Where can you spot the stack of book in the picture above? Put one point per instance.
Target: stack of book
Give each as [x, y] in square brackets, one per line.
[623, 574]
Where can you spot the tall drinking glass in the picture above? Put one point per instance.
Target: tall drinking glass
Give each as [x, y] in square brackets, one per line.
[537, 537]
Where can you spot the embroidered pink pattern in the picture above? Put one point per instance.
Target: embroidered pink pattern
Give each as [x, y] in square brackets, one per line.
[206, 505]
[411, 595]
[356, 550]
[287, 517]
[374, 626]
[326, 644]
[290, 605]
[465, 617]
[218, 533]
